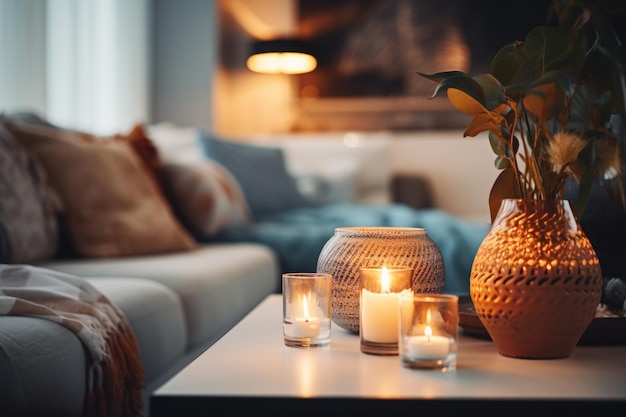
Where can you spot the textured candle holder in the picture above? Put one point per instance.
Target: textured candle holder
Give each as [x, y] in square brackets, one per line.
[351, 248]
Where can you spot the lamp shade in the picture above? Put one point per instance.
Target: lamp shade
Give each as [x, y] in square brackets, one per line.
[281, 56]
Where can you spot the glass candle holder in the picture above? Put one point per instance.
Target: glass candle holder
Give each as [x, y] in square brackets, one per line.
[379, 307]
[306, 309]
[429, 331]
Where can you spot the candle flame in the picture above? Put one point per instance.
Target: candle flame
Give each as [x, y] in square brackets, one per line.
[305, 307]
[428, 332]
[385, 281]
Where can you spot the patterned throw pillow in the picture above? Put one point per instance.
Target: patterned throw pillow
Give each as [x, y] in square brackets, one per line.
[28, 221]
[261, 172]
[205, 196]
[111, 204]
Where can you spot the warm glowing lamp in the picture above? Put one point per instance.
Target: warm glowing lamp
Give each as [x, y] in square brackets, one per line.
[281, 56]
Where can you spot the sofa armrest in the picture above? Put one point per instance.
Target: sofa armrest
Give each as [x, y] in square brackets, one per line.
[44, 368]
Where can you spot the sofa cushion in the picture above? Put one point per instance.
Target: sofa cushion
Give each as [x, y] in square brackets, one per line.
[28, 221]
[112, 207]
[204, 195]
[217, 283]
[260, 170]
[155, 315]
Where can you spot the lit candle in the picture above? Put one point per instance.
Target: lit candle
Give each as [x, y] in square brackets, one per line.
[380, 313]
[428, 346]
[305, 326]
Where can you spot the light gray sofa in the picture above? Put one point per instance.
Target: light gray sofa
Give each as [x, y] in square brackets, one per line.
[177, 304]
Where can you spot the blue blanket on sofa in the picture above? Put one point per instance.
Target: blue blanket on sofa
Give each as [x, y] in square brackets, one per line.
[298, 235]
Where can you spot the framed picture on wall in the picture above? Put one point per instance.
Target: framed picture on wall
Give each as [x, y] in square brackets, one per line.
[369, 53]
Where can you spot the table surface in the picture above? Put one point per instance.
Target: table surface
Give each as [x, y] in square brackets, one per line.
[250, 367]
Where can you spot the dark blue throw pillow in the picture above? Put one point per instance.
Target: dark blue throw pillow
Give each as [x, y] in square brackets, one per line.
[260, 171]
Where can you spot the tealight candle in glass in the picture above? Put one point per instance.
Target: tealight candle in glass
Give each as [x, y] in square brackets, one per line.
[306, 309]
[379, 303]
[429, 331]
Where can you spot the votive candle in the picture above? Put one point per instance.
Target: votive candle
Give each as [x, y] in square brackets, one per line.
[379, 310]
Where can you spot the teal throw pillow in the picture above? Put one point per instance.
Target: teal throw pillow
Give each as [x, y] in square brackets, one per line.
[259, 170]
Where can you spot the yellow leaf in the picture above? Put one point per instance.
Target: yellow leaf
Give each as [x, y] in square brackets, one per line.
[482, 122]
[541, 106]
[465, 103]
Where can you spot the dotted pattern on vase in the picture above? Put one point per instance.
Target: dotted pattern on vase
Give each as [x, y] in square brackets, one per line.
[350, 248]
[541, 257]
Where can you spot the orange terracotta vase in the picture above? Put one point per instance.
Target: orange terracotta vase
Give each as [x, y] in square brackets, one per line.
[536, 281]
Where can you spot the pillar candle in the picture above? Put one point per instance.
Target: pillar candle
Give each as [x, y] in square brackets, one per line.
[380, 312]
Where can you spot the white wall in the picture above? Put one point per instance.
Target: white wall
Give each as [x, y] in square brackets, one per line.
[185, 34]
[23, 41]
[460, 170]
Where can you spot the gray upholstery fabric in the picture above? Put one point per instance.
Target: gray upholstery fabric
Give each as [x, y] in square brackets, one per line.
[156, 316]
[218, 284]
[43, 367]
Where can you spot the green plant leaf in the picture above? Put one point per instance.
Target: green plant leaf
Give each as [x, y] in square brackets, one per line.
[558, 47]
[517, 65]
[584, 192]
[502, 162]
[572, 16]
[498, 145]
[492, 90]
[440, 76]
[466, 84]
[507, 61]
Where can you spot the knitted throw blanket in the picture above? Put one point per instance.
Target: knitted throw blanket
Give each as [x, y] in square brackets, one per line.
[116, 373]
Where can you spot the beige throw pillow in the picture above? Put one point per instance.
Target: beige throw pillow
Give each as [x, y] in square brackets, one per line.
[112, 207]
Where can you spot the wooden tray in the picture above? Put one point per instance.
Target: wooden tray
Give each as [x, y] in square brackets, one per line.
[608, 328]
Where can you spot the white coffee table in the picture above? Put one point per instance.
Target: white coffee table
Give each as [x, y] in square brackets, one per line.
[251, 370]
